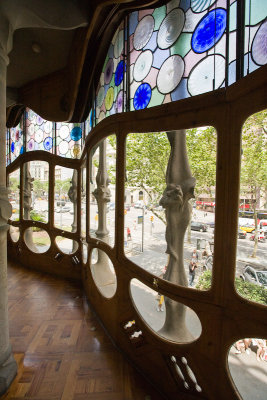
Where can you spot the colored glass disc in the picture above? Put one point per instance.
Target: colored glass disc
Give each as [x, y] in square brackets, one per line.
[142, 65]
[259, 45]
[76, 133]
[48, 142]
[143, 32]
[108, 71]
[142, 96]
[170, 74]
[201, 5]
[119, 73]
[171, 28]
[209, 30]
[109, 98]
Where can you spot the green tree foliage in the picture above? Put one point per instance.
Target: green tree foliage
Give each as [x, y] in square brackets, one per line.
[62, 187]
[254, 162]
[39, 187]
[247, 290]
[201, 148]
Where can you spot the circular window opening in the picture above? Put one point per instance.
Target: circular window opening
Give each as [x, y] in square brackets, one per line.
[168, 318]
[37, 239]
[85, 253]
[14, 233]
[247, 360]
[103, 273]
[67, 246]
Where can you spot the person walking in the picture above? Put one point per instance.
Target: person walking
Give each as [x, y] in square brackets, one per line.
[192, 267]
[129, 236]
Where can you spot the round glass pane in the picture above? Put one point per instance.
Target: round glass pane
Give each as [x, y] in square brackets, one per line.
[202, 80]
[170, 74]
[142, 65]
[171, 28]
[143, 32]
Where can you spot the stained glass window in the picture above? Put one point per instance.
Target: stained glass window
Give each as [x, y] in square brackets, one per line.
[177, 51]
[7, 147]
[110, 97]
[232, 42]
[39, 132]
[68, 139]
[255, 44]
[89, 123]
[16, 141]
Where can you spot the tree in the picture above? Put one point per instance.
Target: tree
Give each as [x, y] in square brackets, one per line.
[254, 163]
[147, 156]
[62, 187]
[248, 290]
[201, 149]
[40, 187]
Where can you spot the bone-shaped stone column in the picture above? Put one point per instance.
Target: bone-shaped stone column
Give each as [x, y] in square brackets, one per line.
[180, 188]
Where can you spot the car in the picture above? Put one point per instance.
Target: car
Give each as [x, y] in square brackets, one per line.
[247, 228]
[255, 273]
[242, 234]
[65, 209]
[198, 226]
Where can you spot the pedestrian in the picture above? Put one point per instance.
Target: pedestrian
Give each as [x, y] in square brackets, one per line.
[192, 272]
[192, 267]
[160, 299]
[129, 237]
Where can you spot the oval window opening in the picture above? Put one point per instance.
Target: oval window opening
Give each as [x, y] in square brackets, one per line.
[103, 273]
[247, 360]
[168, 318]
[85, 253]
[14, 233]
[37, 239]
[67, 246]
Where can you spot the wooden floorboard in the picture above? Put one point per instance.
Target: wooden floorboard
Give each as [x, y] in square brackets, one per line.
[61, 350]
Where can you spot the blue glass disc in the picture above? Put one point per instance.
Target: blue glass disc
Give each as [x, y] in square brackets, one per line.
[119, 73]
[209, 30]
[21, 150]
[76, 133]
[142, 96]
[48, 142]
[12, 147]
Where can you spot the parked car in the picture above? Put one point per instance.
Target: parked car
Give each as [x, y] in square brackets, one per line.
[139, 204]
[247, 228]
[242, 234]
[211, 224]
[198, 226]
[65, 209]
[256, 274]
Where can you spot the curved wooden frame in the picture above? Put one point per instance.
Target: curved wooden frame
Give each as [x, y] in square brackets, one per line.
[224, 315]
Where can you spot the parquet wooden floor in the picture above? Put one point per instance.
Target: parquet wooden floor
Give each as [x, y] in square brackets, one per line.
[61, 350]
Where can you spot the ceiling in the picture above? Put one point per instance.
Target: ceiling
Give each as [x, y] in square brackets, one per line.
[53, 65]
